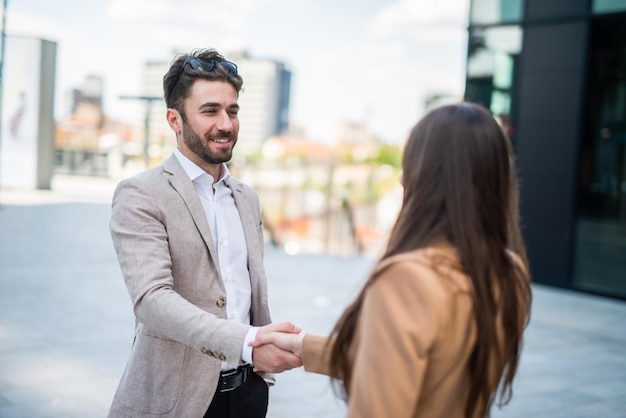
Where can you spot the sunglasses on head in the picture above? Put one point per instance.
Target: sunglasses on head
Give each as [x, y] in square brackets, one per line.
[208, 65]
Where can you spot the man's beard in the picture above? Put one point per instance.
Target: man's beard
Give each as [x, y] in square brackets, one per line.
[200, 146]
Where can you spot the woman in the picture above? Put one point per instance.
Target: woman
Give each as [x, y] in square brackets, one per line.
[437, 328]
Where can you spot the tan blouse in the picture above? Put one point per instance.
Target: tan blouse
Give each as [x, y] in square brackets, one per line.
[415, 334]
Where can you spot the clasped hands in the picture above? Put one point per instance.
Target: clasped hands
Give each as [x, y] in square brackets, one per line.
[277, 347]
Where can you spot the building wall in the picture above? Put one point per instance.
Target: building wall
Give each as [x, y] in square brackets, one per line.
[27, 136]
[264, 101]
[561, 98]
[551, 80]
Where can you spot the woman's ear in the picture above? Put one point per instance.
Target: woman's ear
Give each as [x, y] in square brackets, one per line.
[175, 120]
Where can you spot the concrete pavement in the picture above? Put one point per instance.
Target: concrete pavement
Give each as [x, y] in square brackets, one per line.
[66, 322]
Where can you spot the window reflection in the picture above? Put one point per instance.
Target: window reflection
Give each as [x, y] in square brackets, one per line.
[495, 11]
[600, 259]
[603, 6]
[491, 67]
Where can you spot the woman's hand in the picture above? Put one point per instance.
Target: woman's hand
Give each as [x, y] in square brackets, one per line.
[269, 357]
[284, 340]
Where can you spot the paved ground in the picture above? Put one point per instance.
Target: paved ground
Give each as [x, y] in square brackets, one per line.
[66, 321]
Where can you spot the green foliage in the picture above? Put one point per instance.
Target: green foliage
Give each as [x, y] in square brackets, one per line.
[390, 155]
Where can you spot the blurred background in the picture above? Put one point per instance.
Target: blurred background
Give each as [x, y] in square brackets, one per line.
[330, 94]
[331, 91]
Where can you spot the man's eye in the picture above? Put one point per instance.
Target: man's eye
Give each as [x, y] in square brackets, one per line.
[233, 112]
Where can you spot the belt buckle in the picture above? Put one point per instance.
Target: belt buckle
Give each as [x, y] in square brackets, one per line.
[233, 374]
[229, 373]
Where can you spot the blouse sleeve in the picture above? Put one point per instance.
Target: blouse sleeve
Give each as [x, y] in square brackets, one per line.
[315, 354]
[399, 321]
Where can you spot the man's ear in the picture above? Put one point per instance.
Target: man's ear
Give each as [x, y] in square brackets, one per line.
[175, 120]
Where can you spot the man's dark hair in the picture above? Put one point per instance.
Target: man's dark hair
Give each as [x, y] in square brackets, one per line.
[181, 76]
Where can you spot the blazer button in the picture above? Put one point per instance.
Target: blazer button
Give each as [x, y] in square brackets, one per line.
[221, 302]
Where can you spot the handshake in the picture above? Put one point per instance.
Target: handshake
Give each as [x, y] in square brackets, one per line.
[277, 347]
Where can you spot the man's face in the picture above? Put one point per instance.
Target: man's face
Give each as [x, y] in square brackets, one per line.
[211, 124]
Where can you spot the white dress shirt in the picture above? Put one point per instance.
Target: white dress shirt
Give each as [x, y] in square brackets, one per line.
[230, 242]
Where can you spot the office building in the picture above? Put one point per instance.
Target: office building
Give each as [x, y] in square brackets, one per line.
[264, 100]
[88, 94]
[554, 73]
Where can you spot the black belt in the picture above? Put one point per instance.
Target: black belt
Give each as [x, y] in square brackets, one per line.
[232, 379]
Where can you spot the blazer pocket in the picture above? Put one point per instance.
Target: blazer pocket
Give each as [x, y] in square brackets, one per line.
[152, 379]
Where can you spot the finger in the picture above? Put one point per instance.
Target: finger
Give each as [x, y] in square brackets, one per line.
[293, 360]
[287, 361]
[280, 327]
[273, 359]
[262, 340]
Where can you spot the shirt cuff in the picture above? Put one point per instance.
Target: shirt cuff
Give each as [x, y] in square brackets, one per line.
[246, 350]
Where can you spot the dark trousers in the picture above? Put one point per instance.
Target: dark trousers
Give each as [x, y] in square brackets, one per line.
[247, 401]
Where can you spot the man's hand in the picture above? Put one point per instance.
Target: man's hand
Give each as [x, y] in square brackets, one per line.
[287, 341]
[273, 359]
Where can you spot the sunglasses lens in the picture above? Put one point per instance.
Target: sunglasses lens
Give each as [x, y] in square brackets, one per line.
[200, 64]
[209, 65]
[229, 66]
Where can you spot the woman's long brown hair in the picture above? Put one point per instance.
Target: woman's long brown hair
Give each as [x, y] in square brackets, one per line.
[460, 188]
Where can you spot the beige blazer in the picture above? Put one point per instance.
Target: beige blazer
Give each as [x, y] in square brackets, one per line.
[414, 336]
[170, 267]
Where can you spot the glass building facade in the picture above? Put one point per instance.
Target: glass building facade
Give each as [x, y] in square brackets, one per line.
[554, 74]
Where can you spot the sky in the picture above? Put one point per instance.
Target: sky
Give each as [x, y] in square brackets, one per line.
[367, 61]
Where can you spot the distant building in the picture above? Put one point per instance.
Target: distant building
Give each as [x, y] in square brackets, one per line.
[354, 139]
[439, 99]
[85, 101]
[554, 73]
[85, 139]
[264, 100]
[152, 86]
[285, 147]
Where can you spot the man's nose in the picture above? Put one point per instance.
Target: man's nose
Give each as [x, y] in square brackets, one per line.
[224, 123]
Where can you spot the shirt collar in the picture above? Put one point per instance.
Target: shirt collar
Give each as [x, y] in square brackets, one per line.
[194, 171]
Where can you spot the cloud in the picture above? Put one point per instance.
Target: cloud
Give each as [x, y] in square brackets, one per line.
[224, 14]
[422, 20]
[24, 24]
[183, 24]
[139, 9]
[412, 49]
[350, 61]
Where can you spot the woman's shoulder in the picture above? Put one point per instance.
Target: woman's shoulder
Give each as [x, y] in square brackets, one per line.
[433, 269]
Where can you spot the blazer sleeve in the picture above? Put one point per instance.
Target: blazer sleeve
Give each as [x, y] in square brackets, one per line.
[399, 320]
[140, 239]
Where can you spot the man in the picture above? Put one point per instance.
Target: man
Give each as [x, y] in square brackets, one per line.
[189, 241]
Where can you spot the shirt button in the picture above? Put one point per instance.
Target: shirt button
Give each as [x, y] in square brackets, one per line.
[221, 302]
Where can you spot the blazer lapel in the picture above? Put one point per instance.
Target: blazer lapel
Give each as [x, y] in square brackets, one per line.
[182, 184]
